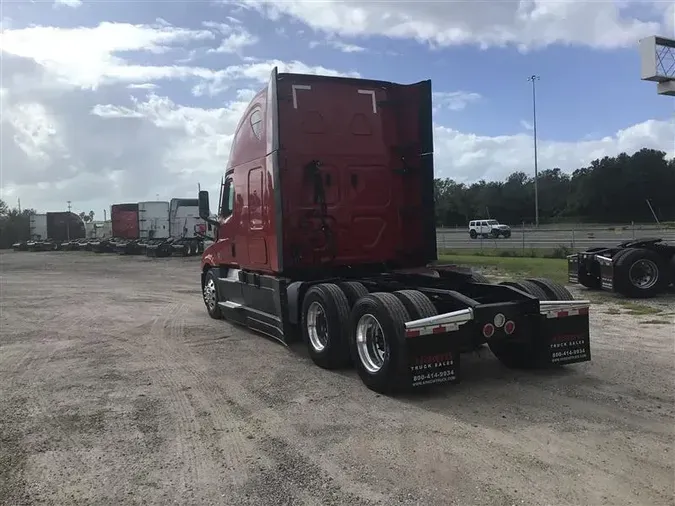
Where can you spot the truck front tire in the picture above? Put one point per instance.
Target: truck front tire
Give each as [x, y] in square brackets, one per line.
[210, 295]
[325, 313]
[377, 342]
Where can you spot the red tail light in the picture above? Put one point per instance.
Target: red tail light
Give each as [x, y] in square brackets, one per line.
[510, 327]
[488, 330]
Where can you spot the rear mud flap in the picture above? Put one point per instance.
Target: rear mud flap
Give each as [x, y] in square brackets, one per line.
[433, 359]
[565, 336]
[606, 272]
[573, 268]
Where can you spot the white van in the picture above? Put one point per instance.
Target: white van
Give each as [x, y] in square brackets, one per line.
[488, 228]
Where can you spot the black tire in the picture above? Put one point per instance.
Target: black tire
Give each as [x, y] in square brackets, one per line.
[332, 313]
[416, 304]
[620, 253]
[507, 234]
[622, 273]
[353, 290]
[389, 312]
[476, 277]
[527, 287]
[554, 291]
[211, 299]
[473, 234]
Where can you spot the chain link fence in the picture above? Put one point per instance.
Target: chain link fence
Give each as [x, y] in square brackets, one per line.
[565, 238]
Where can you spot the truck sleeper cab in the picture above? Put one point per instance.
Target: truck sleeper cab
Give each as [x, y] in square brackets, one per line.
[325, 232]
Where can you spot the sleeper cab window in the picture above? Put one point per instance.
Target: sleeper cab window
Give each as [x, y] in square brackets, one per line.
[256, 123]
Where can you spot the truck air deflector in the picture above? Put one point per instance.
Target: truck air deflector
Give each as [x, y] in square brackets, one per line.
[447, 322]
[272, 114]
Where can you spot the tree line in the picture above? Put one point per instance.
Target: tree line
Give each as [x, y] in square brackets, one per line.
[617, 189]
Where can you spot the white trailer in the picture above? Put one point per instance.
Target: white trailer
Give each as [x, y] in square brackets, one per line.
[98, 229]
[153, 220]
[38, 227]
[185, 227]
[185, 220]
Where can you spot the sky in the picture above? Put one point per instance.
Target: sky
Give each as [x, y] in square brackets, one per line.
[106, 102]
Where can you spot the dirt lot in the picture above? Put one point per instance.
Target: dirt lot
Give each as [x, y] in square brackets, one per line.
[116, 388]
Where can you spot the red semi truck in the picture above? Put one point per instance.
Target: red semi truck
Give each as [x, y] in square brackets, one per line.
[325, 232]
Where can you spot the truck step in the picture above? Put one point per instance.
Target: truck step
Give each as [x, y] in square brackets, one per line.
[230, 305]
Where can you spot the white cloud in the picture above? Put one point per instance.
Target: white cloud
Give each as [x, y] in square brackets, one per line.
[88, 57]
[339, 45]
[526, 125]
[235, 37]
[522, 23]
[235, 42]
[68, 3]
[469, 157]
[454, 100]
[142, 86]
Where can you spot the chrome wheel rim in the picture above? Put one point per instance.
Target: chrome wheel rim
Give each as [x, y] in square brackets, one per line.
[317, 326]
[371, 343]
[643, 274]
[210, 294]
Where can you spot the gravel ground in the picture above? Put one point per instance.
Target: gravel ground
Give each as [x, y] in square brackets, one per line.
[116, 388]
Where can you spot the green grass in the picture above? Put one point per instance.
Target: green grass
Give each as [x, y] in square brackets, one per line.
[552, 268]
[559, 252]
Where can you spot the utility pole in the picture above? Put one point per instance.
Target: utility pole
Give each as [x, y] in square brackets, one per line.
[68, 222]
[535, 78]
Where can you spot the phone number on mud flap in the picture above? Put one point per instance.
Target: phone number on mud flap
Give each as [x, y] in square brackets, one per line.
[559, 356]
[434, 377]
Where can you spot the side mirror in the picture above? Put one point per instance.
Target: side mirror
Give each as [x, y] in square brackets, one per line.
[204, 208]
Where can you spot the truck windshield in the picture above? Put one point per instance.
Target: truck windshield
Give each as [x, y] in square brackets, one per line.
[493, 222]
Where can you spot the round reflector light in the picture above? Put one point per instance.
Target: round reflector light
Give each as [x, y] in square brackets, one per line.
[510, 327]
[499, 320]
[488, 330]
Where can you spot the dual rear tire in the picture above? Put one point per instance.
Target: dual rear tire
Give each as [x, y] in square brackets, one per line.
[344, 324]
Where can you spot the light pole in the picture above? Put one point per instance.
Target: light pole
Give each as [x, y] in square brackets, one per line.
[535, 78]
[68, 221]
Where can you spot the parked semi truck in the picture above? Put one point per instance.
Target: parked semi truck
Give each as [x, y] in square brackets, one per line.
[639, 268]
[157, 228]
[48, 230]
[186, 228]
[325, 232]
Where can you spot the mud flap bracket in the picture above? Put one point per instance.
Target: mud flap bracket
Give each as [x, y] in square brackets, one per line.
[433, 347]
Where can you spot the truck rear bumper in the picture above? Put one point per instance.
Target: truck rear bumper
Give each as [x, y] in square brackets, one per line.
[557, 335]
